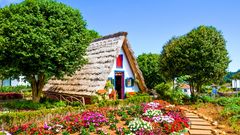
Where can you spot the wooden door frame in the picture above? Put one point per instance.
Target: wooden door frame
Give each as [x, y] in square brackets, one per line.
[123, 88]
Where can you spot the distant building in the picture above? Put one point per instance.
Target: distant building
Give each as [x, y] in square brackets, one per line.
[185, 89]
[14, 82]
[236, 83]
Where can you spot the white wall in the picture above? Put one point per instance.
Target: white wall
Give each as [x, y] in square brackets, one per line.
[127, 73]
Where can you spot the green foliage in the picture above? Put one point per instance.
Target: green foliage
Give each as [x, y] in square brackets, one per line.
[207, 99]
[165, 92]
[14, 88]
[234, 122]
[94, 99]
[231, 109]
[84, 131]
[177, 97]
[149, 65]
[229, 76]
[236, 76]
[65, 133]
[91, 128]
[46, 37]
[201, 54]
[225, 89]
[13, 118]
[30, 105]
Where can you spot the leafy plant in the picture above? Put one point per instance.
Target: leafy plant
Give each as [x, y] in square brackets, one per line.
[84, 131]
[91, 128]
[112, 126]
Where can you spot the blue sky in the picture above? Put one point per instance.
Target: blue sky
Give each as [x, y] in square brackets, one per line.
[151, 23]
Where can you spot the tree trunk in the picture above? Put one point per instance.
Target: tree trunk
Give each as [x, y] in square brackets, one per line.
[37, 83]
[192, 89]
[199, 86]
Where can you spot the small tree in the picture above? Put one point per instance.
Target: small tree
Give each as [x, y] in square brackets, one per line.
[149, 65]
[40, 39]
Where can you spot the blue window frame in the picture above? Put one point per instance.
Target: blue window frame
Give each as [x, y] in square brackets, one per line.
[129, 82]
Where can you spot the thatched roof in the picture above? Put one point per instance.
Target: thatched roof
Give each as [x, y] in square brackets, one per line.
[101, 54]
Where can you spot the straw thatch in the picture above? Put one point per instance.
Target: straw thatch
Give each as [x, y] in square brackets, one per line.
[101, 55]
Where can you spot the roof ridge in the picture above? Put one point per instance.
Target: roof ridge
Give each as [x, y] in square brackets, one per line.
[111, 36]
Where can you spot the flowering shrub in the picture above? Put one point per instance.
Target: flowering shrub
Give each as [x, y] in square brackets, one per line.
[161, 119]
[95, 118]
[10, 95]
[152, 106]
[151, 113]
[139, 124]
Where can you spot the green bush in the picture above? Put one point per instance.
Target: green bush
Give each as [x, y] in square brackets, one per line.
[231, 110]
[225, 89]
[224, 101]
[165, 92]
[207, 99]
[14, 118]
[14, 88]
[177, 96]
[234, 122]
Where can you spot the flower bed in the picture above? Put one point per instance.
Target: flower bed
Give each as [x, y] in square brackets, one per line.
[10, 95]
[152, 118]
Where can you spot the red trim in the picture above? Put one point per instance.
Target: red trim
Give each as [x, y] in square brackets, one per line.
[122, 94]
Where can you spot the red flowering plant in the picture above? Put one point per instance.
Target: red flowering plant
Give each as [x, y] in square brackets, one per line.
[30, 129]
[96, 118]
[71, 122]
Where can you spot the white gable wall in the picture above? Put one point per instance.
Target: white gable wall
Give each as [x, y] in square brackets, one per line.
[127, 73]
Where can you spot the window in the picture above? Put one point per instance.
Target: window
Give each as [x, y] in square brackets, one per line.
[120, 61]
[111, 80]
[129, 82]
[185, 90]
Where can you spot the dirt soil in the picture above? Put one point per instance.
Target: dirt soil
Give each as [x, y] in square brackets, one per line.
[212, 111]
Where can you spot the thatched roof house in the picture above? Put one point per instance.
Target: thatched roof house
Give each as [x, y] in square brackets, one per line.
[109, 58]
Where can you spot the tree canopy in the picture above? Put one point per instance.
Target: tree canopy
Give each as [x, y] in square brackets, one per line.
[236, 76]
[40, 39]
[149, 65]
[201, 54]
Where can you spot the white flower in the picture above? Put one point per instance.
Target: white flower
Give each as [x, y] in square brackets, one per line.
[138, 124]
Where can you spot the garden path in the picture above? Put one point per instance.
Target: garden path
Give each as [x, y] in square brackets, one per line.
[198, 126]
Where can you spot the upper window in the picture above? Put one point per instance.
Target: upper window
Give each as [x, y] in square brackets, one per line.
[120, 61]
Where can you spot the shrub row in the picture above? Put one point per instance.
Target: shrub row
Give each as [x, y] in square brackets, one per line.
[11, 118]
[10, 95]
[14, 88]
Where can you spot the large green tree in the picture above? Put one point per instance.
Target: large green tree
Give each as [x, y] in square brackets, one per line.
[201, 54]
[170, 63]
[40, 39]
[149, 65]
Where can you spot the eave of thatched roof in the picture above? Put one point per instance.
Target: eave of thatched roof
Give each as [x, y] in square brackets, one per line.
[134, 65]
[101, 54]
